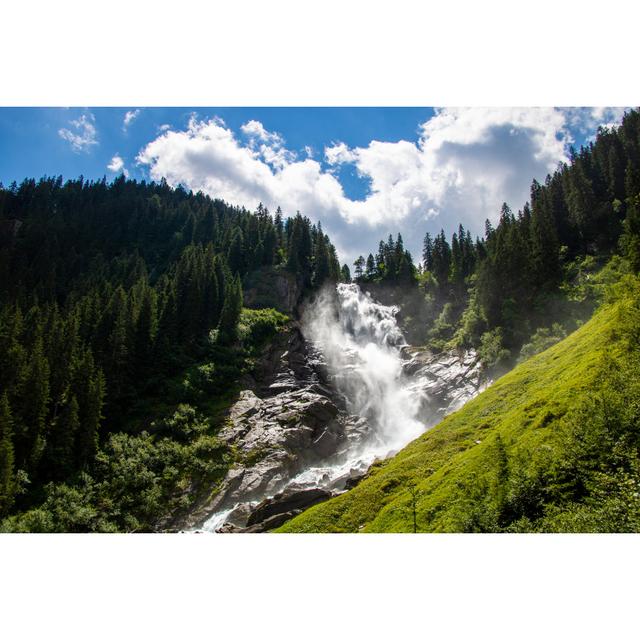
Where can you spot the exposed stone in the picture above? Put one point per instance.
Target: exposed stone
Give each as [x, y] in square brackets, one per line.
[286, 502]
[447, 380]
[271, 287]
[290, 418]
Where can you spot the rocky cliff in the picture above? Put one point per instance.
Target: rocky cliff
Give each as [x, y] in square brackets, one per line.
[286, 420]
[291, 418]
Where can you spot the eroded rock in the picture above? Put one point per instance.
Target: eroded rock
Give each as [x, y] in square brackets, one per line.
[290, 500]
[291, 418]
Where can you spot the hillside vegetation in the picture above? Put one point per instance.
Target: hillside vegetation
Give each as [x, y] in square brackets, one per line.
[123, 338]
[551, 446]
[519, 286]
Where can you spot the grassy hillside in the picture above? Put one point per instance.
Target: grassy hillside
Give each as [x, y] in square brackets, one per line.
[551, 446]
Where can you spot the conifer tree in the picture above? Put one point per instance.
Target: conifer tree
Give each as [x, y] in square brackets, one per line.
[370, 268]
[92, 393]
[145, 334]
[7, 477]
[34, 407]
[60, 443]
[231, 310]
[427, 252]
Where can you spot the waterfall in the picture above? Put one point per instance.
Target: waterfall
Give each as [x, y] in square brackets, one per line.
[354, 346]
[361, 343]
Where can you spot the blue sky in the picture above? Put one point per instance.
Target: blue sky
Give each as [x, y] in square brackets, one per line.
[364, 172]
[32, 146]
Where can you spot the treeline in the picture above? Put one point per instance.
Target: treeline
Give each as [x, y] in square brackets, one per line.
[108, 289]
[494, 292]
[392, 264]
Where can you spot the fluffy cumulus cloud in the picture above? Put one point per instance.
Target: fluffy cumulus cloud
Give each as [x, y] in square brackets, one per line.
[268, 145]
[255, 130]
[338, 153]
[464, 163]
[129, 117]
[117, 165]
[82, 135]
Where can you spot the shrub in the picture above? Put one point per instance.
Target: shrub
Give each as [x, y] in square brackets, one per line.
[542, 339]
[492, 352]
[256, 326]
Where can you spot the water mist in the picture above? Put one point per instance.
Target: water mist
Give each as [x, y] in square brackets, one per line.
[361, 343]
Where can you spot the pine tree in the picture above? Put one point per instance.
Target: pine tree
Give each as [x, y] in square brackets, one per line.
[427, 252]
[34, 407]
[60, 444]
[236, 258]
[92, 393]
[322, 269]
[441, 259]
[630, 240]
[370, 268]
[228, 325]
[145, 334]
[7, 478]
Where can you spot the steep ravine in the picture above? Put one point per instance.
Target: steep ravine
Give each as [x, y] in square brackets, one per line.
[336, 392]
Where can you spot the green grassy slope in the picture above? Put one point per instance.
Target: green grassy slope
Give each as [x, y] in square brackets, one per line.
[551, 446]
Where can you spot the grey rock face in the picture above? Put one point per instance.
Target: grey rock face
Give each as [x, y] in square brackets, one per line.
[291, 419]
[446, 380]
[269, 287]
[288, 421]
[288, 501]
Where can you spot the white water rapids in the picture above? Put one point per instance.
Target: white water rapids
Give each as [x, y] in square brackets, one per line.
[361, 341]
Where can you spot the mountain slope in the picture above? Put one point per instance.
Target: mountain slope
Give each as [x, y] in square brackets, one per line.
[551, 446]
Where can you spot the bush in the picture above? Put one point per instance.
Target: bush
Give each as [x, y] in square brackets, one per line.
[256, 326]
[183, 425]
[492, 352]
[542, 339]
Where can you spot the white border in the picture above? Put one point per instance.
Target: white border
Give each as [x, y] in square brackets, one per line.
[323, 586]
[333, 52]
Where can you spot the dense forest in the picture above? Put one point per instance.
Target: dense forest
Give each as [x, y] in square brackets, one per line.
[123, 332]
[521, 287]
[121, 302]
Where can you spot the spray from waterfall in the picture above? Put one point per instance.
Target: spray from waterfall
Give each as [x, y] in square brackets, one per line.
[361, 343]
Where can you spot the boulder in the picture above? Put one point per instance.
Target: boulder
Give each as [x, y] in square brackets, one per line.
[286, 502]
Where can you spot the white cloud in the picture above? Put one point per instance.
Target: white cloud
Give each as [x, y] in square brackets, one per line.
[463, 165]
[85, 134]
[129, 117]
[255, 129]
[267, 144]
[338, 153]
[208, 156]
[117, 165]
[587, 121]
[309, 151]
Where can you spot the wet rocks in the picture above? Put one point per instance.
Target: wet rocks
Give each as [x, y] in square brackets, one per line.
[288, 501]
[446, 381]
[288, 420]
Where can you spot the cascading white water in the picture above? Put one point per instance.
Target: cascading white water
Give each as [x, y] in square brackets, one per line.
[361, 341]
